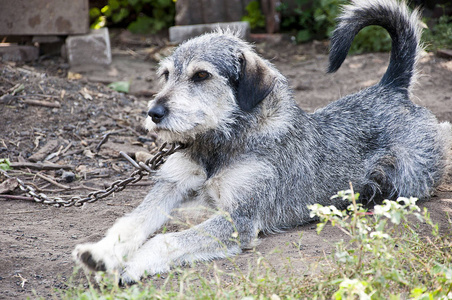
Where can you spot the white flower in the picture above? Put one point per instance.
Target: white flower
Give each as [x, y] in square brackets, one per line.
[379, 235]
[351, 287]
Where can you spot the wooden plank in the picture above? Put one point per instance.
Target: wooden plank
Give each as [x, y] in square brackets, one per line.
[44, 17]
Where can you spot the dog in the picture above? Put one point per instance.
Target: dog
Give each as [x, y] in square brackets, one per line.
[258, 159]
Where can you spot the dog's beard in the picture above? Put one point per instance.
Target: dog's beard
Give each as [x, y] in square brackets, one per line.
[185, 125]
[173, 137]
[174, 133]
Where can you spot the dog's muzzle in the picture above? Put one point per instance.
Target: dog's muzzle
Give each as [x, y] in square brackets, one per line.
[158, 113]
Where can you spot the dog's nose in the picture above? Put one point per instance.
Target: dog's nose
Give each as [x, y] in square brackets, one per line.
[158, 113]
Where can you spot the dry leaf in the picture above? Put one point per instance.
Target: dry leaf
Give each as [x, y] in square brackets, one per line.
[88, 153]
[142, 156]
[82, 169]
[73, 75]
[8, 186]
[117, 168]
[86, 94]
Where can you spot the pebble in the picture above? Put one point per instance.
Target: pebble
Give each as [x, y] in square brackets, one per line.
[68, 176]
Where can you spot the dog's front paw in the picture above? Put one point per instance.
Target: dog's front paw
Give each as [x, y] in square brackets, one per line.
[126, 279]
[96, 257]
[86, 258]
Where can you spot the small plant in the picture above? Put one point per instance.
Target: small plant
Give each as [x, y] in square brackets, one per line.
[120, 86]
[311, 19]
[254, 15]
[5, 164]
[140, 16]
[385, 257]
[439, 35]
[371, 39]
[317, 20]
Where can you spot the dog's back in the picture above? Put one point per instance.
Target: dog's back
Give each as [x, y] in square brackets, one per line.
[401, 145]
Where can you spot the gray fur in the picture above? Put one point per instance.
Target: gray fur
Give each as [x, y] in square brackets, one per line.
[259, 160]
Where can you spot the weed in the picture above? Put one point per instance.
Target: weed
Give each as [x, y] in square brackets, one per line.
[254, 15]
[317, 19]
[371, 39]
[311, 19]
[384, 257]
[439, 35]
[140, 16]
[5, 164]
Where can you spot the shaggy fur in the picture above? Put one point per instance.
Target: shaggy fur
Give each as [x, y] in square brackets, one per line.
[258, 159]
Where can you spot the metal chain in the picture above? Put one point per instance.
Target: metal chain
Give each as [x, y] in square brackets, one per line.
[142, 169]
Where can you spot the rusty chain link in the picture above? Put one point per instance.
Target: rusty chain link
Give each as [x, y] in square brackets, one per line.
[142, 169]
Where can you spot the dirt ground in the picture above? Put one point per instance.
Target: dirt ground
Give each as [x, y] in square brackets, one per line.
[36, 240]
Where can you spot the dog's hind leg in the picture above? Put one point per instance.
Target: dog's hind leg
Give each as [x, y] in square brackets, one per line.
[404, 172]
[175, 183]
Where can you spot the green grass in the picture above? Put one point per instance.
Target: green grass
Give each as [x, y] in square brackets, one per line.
[386, 256]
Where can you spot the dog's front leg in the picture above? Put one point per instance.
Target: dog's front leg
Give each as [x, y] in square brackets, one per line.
[220, 236]
[173, 186]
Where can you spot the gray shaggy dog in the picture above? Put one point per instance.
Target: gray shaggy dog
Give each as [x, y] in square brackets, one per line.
[259, 160]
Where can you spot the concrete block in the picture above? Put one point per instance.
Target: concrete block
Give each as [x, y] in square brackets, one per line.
[18, 53]
[44, 17]
[93, 48]
[178, 34]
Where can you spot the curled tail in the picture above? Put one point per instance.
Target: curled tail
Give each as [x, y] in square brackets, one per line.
[403, 27]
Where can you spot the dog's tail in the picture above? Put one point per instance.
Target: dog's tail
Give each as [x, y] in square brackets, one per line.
[403, 27]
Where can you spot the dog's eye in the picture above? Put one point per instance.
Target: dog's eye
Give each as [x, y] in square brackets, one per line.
[200, 76]
[165, 75]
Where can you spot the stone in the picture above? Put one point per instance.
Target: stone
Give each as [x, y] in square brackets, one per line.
[178, 34]
[89, 49]
[68, 176]
[18, 53]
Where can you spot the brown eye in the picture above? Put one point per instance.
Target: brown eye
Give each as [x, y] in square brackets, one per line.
[165, 75]
[200, 76]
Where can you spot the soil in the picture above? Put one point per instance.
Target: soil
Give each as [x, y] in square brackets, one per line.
[36, 240]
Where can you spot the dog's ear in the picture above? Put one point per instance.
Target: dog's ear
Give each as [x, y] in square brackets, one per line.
[255, 83]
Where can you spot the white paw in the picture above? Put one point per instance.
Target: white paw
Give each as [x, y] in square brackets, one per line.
[126, 278]
[97, 257]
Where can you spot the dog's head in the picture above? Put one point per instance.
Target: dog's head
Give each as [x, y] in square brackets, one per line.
[208, 81]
